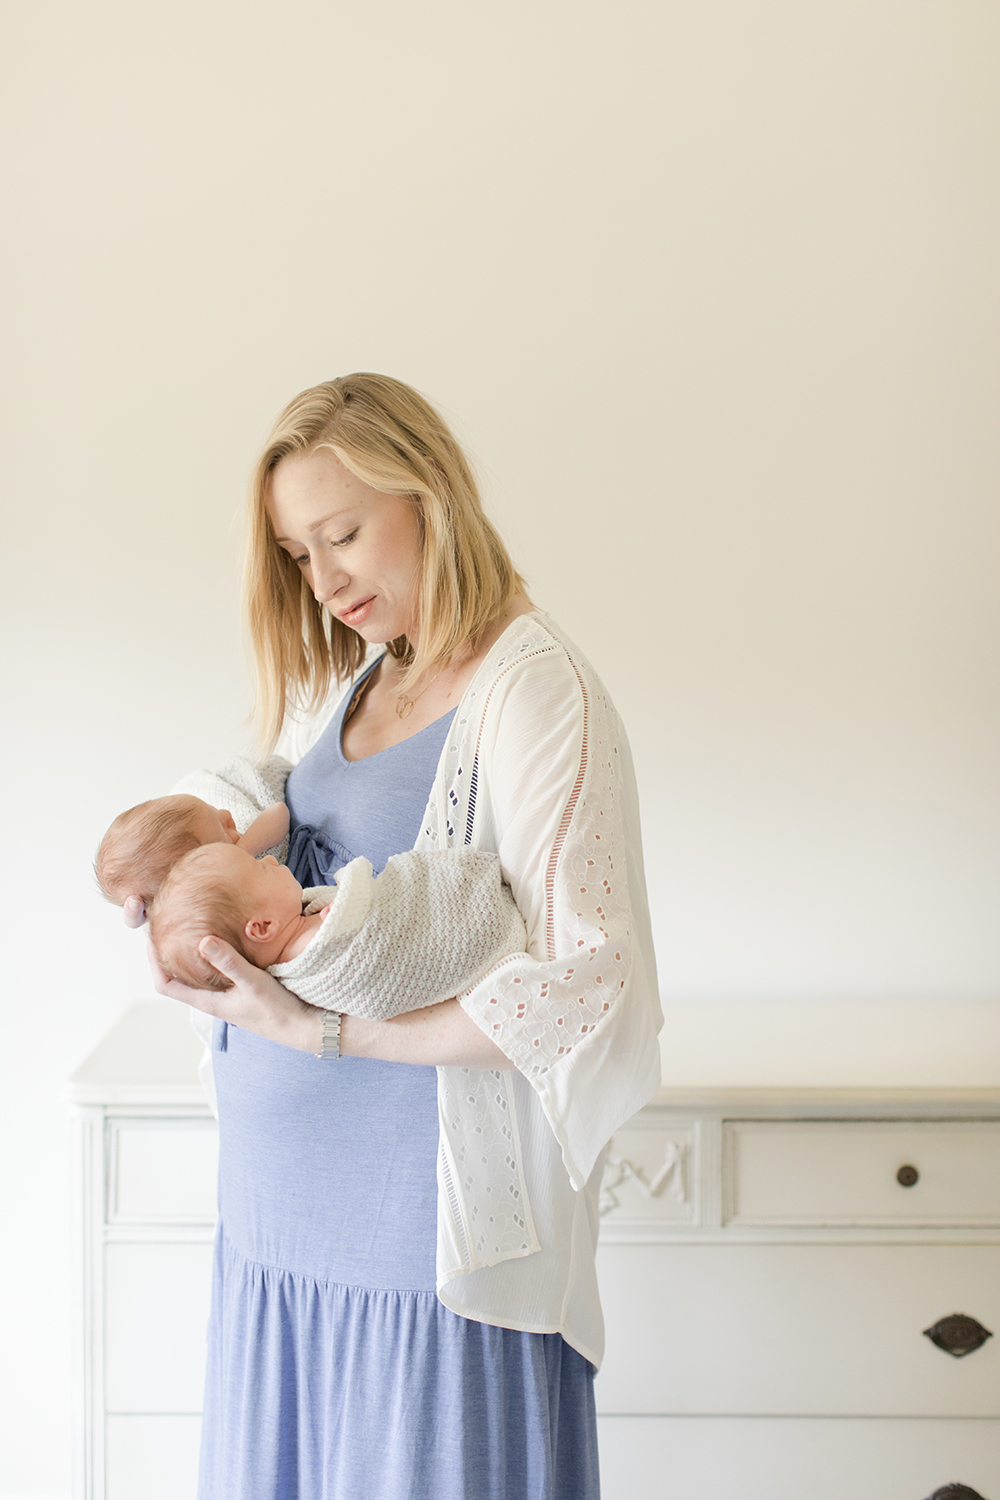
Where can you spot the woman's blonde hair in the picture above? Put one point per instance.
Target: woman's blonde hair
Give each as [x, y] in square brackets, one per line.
[393, 440]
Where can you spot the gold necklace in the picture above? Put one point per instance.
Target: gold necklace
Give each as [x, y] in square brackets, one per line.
[404, 705]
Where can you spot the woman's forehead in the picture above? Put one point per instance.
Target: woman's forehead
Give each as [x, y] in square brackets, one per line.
[307, 489]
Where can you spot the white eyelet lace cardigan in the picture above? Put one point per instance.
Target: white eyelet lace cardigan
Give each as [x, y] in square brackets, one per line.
[537, 768]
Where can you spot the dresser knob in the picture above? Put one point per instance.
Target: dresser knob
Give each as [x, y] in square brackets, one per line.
[955, 1492]
[957, 1335]
[907, 1176]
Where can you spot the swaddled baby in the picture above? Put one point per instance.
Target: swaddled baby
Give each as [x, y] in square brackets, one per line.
[430, 926]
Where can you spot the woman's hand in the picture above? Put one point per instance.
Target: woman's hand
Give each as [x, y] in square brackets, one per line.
[257, 1002]
[134, 912]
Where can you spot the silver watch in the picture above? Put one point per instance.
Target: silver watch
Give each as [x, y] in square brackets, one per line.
[330, 1049]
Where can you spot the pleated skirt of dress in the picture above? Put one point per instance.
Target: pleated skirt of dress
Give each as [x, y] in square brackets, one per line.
[350, 1394]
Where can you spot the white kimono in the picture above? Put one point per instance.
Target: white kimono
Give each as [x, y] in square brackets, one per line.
[536, 768]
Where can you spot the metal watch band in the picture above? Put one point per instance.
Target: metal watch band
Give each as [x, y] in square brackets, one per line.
[330, 1051]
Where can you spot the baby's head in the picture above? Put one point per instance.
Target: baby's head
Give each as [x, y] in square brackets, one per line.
[145, 842]
[221, 891]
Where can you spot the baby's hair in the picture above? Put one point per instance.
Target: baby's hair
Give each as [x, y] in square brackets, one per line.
[190, 906]
[141, 846]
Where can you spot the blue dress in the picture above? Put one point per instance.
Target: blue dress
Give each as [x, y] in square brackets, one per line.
[334, 1373]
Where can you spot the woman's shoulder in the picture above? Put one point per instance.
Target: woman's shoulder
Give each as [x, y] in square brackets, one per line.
[533, 656]
[536, 695]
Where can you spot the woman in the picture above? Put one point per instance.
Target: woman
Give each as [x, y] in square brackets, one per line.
[405, 1302]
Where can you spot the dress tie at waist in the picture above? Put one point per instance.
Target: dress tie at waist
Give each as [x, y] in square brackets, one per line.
[313, 859]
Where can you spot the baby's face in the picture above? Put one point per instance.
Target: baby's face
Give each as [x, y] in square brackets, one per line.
[213, 825]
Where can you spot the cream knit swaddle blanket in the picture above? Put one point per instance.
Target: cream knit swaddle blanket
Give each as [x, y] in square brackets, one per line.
[429, 927]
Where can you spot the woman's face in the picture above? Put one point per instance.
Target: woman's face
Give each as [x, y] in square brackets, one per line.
[358, 549]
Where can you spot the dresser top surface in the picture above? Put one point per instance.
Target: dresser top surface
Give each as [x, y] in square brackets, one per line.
[150, 1053]
[829, 1102]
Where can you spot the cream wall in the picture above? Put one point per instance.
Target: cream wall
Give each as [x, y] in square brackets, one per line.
[709, 291]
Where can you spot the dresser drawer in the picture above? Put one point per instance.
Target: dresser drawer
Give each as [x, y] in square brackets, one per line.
[152, 1458]
[794, 1458]
[156, 1305]
[826, 1172]
[796, 1330]
[162, 1171]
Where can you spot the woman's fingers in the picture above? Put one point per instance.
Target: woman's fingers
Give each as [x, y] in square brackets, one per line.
[213, 1002]
[256, 1001]
[134, 912]
[222, 956]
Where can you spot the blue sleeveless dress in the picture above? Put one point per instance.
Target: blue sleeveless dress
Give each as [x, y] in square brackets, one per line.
[334, 1373]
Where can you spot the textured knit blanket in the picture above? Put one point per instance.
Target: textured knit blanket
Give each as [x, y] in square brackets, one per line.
[426, 929]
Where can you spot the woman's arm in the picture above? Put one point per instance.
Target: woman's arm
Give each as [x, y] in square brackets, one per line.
[555, 795]
[439, 1035]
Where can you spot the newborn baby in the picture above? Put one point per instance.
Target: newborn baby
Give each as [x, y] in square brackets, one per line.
[429, 927]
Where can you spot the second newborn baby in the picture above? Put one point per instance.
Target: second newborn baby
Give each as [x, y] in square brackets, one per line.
[430, 926]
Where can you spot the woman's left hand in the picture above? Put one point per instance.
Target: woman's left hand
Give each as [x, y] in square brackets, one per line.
[256, 1002]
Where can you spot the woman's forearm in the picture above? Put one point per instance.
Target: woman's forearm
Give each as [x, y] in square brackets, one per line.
[438, 1035]
[441, 1035]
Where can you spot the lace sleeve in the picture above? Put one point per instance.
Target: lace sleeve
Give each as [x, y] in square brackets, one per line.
[556, 797]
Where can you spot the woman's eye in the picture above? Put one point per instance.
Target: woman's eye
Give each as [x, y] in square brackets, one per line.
[343, 541]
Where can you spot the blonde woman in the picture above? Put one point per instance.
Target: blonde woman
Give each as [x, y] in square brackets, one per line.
[405, 1302]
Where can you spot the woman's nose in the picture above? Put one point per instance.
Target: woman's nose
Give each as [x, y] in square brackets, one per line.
[327, 578]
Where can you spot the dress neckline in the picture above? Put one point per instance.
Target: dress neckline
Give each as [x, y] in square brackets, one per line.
[363, 759]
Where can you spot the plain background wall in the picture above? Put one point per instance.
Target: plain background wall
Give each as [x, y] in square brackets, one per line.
[709, 292]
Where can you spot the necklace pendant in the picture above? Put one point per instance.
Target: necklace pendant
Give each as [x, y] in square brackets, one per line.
[404, 706]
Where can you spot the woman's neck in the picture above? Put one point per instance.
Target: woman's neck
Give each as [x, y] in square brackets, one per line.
[382, 718]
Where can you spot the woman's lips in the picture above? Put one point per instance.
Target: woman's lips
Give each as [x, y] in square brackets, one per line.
[358, 613]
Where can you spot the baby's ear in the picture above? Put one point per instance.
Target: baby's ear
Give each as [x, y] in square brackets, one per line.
[260, 929]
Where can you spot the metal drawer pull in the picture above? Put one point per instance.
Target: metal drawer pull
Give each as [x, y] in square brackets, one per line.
[907, 1176]
[955, 1492]
[957, 1335]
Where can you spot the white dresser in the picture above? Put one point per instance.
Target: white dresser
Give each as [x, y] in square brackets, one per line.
[767, 1280]
[145, 1170]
